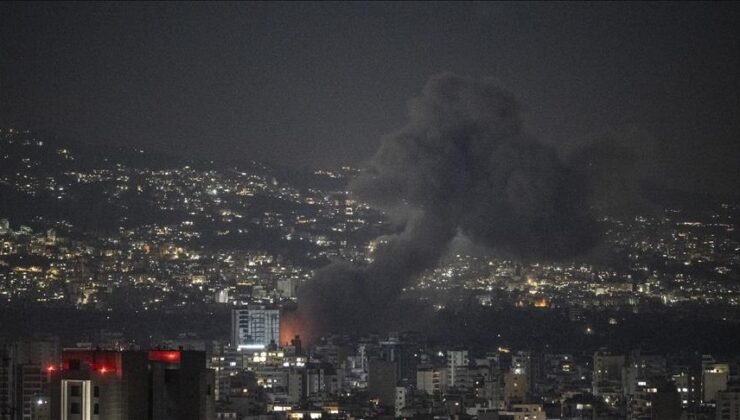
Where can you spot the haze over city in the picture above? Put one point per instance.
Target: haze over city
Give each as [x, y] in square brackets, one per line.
[369, 210]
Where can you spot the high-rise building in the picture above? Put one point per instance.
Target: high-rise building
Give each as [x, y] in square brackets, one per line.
[607, 376]
[321, 379]
[665, 402]
[7, 401]
[402, 399]
[132, 385]
[296, 386]
[227, 362]
[24, 375]
[714, 380]
[402, 354]
[522, 364]
[431, 380]
[641, 371]
[516, 387]
[382, 381]
[457, 368]
[254, 327]
[728, 402]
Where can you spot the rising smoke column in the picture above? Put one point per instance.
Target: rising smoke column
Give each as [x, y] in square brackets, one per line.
[461, 165]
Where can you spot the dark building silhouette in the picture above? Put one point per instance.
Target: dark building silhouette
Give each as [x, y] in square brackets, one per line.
[382, 381]
[666, 402]
[24, 375]
[132, 385]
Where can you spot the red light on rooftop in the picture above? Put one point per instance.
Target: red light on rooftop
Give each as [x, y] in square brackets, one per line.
[103, 370]
[51, 368]
[167, 356]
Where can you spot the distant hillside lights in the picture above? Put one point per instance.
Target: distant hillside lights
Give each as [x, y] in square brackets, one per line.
[198, 279]
[4, 226]
[66, 154]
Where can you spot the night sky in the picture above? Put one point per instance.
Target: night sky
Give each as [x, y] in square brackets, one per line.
[319, 84]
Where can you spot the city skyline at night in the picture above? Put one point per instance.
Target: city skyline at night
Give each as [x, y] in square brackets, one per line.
[281, 211]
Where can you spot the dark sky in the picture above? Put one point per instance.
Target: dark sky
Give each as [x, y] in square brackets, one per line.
[318, 84]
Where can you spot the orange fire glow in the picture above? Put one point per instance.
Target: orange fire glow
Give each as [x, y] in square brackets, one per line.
[292, 323]
[288, 326]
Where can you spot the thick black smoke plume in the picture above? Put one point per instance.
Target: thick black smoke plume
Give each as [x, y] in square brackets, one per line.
[462, 165]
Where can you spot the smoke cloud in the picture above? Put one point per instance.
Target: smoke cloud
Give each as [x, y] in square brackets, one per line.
[462, 165]
[614, 164]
